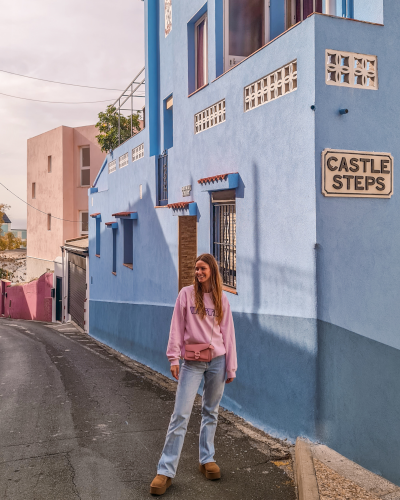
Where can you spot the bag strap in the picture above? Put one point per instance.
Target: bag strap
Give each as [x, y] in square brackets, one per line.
[212, 331]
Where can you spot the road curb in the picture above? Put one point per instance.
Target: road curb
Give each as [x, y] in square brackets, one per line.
[306, 479]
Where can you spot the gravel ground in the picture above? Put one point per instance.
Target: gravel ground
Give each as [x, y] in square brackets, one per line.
[332, 486]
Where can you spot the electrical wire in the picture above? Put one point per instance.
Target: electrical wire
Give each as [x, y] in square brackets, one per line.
[29, 205]
[59, 83]
[53, 102]
[60, 102]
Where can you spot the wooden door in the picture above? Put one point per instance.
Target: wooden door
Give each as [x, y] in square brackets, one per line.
[187, 249]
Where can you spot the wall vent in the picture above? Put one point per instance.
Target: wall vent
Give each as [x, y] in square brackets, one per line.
[123, 160]
[138, 152]
[209, 117]
[270, 87]
[112, 166]
[349, 69]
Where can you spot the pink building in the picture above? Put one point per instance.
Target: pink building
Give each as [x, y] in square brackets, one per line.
[62, 165]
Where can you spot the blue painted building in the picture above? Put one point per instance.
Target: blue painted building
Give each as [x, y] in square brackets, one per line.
[270, 140]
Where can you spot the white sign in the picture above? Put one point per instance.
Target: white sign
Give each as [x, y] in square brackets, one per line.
[357, 174]
[186, 190]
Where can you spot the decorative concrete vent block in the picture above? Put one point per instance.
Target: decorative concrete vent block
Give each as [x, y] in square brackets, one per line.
[123, 160]
[112, 166]
[138, 152]
[209, 117]
[349, 69]
[270, 87]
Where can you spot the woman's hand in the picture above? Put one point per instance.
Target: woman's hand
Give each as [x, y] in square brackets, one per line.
[229, 380]
[175, 371]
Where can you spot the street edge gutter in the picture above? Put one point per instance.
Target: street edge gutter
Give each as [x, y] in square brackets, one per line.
[306, 479]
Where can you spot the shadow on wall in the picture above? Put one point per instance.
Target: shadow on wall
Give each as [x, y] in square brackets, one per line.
[31, 301]
[296, 376]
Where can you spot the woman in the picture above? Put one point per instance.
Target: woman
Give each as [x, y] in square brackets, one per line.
[201, 316]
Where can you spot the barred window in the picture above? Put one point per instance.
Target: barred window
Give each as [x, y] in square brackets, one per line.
[224, 234]
[162, 179]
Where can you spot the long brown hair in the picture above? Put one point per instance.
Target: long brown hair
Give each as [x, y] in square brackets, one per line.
[216, 288]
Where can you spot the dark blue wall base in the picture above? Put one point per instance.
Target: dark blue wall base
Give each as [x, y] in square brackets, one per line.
[358, 399]
[296, 377]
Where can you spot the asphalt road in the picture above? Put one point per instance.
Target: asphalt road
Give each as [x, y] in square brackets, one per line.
[76, 423]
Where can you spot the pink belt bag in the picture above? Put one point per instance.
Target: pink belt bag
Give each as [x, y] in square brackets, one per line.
[200, 352]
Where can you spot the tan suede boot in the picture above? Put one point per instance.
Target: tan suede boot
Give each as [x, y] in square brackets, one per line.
[210, 470]
[160, 484]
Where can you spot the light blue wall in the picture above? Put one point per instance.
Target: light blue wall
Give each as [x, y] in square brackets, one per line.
[317, 278]
[369, 11]
[358, 263]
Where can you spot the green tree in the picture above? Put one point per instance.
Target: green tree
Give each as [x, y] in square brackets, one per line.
[108, 128]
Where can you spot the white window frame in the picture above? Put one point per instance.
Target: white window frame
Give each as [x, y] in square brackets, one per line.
[205, 49]
[82, 167]
[267, 33]
[80, 230]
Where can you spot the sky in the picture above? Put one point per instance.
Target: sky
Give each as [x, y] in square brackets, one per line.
[88, 42]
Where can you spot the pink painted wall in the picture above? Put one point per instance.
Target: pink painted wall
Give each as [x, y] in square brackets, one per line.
[30, 301]
[59, 192]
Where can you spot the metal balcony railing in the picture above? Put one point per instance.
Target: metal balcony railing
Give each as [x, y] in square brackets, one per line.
[133, 90]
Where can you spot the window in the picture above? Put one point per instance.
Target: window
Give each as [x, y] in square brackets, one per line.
[49, 164]
[114, 255]
[85, 166]
[298, 10]
[168, 123]
[162, 180]
[128, 242]
[246, 29]
[224, 234]
[33, 190]
[201, 46]
[98, 236]
[84, 223]
[48, 222]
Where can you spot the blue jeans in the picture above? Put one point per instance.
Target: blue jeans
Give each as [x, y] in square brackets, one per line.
[190, 376]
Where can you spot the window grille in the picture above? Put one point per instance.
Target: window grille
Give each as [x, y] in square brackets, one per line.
[138, 152]
[270, 87]
[348, 69]
[224, 240]
[163, 179]
[112, 166]
[123, 160]
[209, 117]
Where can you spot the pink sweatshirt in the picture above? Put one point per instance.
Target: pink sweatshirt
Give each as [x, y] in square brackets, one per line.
[188, 328]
